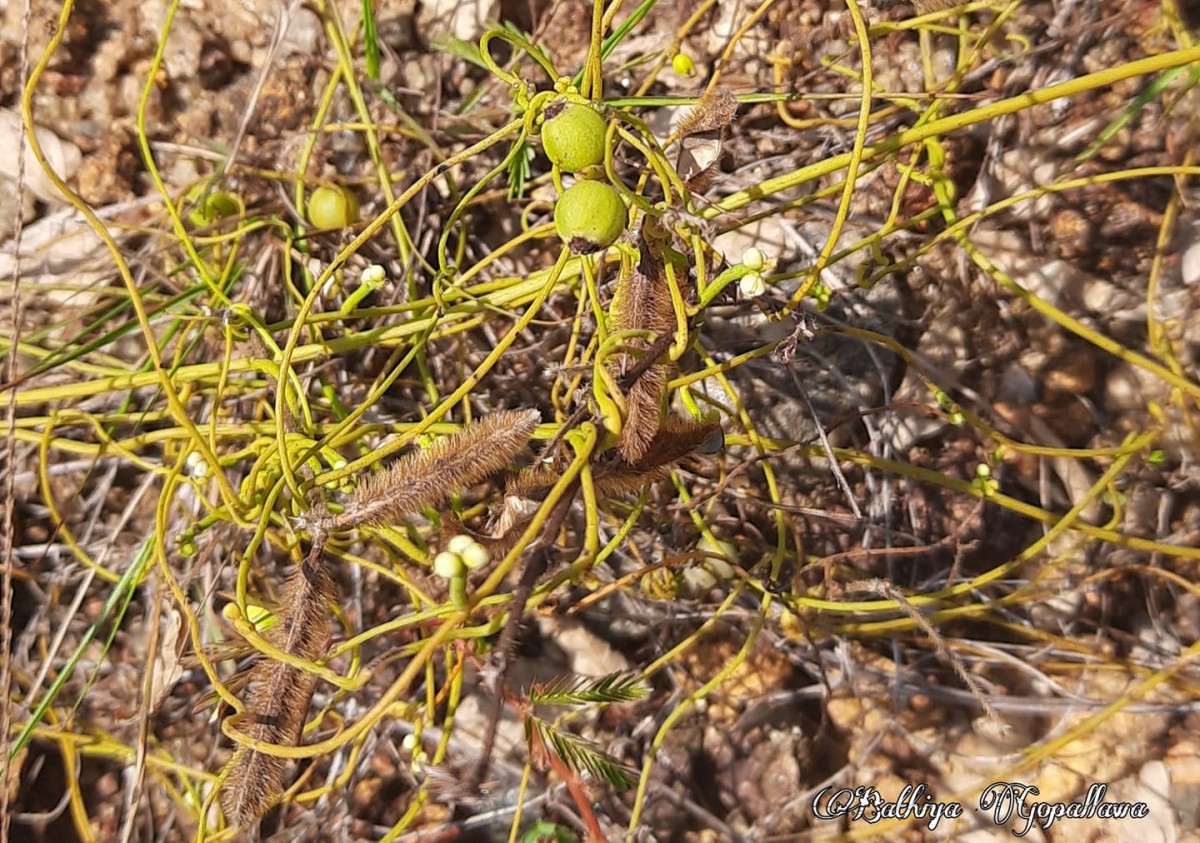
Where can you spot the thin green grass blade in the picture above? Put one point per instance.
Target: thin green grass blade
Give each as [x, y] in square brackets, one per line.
[115, 605]
[370, 39]
[1153, 90]
[618, 35]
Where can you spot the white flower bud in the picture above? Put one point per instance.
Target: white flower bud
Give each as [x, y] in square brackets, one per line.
[752, 285]
[459, 543]
[448, 565]
[374, 274]
[197, 467]
[475, 556]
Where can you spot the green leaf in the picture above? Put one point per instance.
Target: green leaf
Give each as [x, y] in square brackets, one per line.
[615, 38]
[114, 608]
[580, 755]
[370, 39]
[548, 832]
[518, 170]
[456, 47]
[1152, 91]
[613, 688]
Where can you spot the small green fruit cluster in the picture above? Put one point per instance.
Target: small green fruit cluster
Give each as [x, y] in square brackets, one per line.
[332, 207]
[590, 215]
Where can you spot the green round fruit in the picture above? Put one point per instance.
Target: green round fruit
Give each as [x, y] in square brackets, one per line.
[220, 205]
[332, 207]
[589, 216]
[208, 207]
[573, 136]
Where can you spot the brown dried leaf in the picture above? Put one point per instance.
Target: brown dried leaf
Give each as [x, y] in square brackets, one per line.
[714, 112]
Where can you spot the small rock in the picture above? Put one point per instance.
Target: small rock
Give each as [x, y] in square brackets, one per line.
[62, 156]
[303, 34]
[465, 19]
[1190, 263]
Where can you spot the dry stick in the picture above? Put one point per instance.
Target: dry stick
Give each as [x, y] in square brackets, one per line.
[135, 783]
[282, 22]
[834, 468]
[885, 589]
[10, 455]
[534, 568]
[648, 359]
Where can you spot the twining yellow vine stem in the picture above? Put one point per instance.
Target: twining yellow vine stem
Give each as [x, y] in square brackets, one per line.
[468, 384]
[160, 374]
[198, 263]
[747, 24]
[514, 295]
[337, 38]
[954, 123]
[852, 164]
[1061, 524]
[372, 228]
[1155, 330]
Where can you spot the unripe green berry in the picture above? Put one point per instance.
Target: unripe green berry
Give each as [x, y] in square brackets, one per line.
[589, 216]
[682, 64]
[573, 136]
[332, 207]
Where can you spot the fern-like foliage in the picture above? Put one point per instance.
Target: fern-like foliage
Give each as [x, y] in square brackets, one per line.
[579, 754]
[577, 690]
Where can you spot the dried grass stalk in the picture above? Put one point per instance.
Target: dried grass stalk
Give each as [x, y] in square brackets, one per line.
[427, 477]
[279, 694]
[643, 302]
[675, 440]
